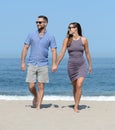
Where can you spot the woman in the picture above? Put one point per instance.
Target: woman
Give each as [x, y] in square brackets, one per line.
[76, 44]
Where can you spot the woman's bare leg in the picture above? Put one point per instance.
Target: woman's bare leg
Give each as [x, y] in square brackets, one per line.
[77, 88]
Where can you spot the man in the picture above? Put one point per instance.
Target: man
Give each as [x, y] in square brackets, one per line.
[39, 43]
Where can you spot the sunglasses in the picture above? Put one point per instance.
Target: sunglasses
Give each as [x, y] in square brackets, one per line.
[71, 27]
[39, 22]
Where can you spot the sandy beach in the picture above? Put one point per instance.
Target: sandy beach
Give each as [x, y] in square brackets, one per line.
[57, 115]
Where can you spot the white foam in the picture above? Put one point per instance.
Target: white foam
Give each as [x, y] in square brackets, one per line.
[98, 98]
[64, 98]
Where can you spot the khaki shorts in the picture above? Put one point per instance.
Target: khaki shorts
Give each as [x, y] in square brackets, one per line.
[37, 73]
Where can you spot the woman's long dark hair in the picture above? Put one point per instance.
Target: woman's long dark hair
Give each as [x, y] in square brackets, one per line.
[70, 36]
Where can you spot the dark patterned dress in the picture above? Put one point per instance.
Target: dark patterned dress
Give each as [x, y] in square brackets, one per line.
[76, 62]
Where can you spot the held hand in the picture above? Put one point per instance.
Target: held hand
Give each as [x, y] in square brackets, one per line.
[23, 66]
[54, 68]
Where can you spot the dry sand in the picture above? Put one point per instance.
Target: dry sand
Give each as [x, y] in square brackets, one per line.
[57, 115]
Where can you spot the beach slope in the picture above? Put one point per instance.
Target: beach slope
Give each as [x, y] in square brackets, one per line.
[57, 115]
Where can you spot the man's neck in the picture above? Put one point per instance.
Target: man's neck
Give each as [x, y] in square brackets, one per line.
[42, 31]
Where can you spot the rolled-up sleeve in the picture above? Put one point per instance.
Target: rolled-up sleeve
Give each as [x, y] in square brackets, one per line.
[53, 43]
[28, 40]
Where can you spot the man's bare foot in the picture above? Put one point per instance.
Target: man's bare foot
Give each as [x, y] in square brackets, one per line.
[38, 107]
[34, 102]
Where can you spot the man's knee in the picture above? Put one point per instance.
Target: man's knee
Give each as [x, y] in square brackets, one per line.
[31, 85]
[41, 86]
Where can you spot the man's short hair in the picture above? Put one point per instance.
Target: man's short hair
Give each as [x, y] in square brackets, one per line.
[44, 17]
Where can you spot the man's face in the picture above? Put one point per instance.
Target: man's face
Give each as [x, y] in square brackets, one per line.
[41, 23]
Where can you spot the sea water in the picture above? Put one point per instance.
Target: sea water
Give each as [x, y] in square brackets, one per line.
[100, 85]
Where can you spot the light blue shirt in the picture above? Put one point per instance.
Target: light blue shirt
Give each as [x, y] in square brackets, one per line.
[39, 47]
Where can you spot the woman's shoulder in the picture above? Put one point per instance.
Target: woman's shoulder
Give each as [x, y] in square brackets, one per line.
[84, 39]
[66, 39]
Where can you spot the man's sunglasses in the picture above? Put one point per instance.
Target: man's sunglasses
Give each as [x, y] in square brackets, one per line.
[39, 22]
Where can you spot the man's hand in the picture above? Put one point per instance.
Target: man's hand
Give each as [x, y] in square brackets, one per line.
[23, 66]
[54, 68]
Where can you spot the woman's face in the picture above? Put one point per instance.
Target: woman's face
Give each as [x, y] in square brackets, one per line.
[72, 29]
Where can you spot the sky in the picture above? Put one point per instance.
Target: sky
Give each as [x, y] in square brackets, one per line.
[97, 19]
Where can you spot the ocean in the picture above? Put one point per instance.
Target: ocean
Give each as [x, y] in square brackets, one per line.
[99, 86]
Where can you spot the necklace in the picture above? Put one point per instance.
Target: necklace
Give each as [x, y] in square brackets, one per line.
[76, 38]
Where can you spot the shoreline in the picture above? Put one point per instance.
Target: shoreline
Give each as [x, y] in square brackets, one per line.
[58, 115]
[56, 98]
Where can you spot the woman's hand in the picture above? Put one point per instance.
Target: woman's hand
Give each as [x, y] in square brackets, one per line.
[90, 69]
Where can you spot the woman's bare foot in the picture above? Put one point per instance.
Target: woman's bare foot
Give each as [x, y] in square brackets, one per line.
[76, 109]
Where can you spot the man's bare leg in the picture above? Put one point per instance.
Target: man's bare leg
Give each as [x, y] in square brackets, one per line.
[32, 89]
[40, 94]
